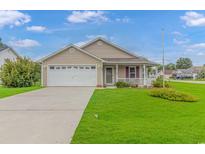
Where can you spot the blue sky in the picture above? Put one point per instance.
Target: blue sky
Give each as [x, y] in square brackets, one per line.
[38, 33]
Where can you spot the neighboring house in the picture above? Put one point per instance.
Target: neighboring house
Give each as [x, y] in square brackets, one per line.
[7, 53]
[188, 73]
[167, 73]
[97, 63]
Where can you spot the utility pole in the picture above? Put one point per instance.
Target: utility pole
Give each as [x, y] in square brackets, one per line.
[163, 57]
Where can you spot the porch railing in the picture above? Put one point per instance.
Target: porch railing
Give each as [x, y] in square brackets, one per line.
[138, 81]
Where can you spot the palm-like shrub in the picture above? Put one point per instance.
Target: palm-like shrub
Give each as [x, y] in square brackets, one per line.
[158, 83]
[20, 73]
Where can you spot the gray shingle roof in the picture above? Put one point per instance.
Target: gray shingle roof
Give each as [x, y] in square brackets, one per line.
[129, 60]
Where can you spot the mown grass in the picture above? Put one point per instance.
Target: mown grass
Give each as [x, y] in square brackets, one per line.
[132, 116]
[5, 92]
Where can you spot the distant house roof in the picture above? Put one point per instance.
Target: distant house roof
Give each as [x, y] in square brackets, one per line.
[194, 69]
[169, 72]
[5, 47]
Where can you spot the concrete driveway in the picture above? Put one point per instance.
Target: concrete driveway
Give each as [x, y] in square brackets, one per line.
[48, 115]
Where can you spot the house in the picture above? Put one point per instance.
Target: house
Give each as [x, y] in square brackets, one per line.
[167, 73]
[188, 73]
[96, 63]
[7, 53]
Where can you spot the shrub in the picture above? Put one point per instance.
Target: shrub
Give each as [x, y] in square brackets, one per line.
[20, 73]
[121, 84]
[201, 75]
[158, 83]
[171, 94]
[134, 85]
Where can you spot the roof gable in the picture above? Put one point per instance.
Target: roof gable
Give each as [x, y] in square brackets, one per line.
[65, 49]
[6, 48]
[105, 49]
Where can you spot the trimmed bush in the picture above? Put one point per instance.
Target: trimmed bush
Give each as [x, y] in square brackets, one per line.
[171, 94]
[134, 85]
[121, 84]
[158, 83]
[20, 73]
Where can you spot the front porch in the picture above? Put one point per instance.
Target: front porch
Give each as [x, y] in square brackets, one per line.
[134, 74]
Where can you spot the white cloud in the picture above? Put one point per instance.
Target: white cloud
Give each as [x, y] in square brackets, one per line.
[192, 19]
[176, 33]
[179, 38]
[200, 54]
[87, 16]
[123, 20]
[81, 43]
[36, 28]
[13, 18]
[180, 41]
[26, 43]
[197, 46]
[95, 36]
[91, 37]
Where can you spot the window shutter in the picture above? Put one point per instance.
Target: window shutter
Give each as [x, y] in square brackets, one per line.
[127, 72]
[137, 72]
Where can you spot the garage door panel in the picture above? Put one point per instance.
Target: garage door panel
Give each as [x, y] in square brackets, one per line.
[73, 76]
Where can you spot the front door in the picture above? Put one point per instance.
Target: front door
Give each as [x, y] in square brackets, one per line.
[109, 75]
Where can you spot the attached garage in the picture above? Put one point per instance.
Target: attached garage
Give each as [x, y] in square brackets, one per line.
[72, 75]
[71, 66]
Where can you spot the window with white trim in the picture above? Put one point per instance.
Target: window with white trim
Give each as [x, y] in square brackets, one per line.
[58, 67]
[52, 67]
[132, 72]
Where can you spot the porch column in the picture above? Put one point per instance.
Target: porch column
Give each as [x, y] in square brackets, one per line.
[144, 75]
[116, 72]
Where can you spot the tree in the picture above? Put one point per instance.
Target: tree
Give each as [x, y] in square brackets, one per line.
[20, 73]
[183, 63]
[159, 67]
[1, 44]
[170, 66]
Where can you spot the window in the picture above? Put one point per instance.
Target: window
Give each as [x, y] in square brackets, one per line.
[132, 72]
[52, 67]
[58, 67]
[69, 67]
[93, 67]
[63, 67]
[87, 67]
[75, 67]
[81, 67]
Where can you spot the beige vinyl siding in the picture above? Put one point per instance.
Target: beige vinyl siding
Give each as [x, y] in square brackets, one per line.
[104, 50]
[72, 57]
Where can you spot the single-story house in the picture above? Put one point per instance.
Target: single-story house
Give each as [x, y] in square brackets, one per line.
[7, 53]
[188, 73]
[96, 63]
[167, 73]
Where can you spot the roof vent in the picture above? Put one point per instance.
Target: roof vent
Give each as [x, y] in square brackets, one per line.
[100, 43]
[71, 50]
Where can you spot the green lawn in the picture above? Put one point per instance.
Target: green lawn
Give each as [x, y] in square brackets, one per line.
[132, 116]
[5, 92]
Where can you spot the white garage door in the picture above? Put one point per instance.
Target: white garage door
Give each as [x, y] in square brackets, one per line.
[68, 75]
